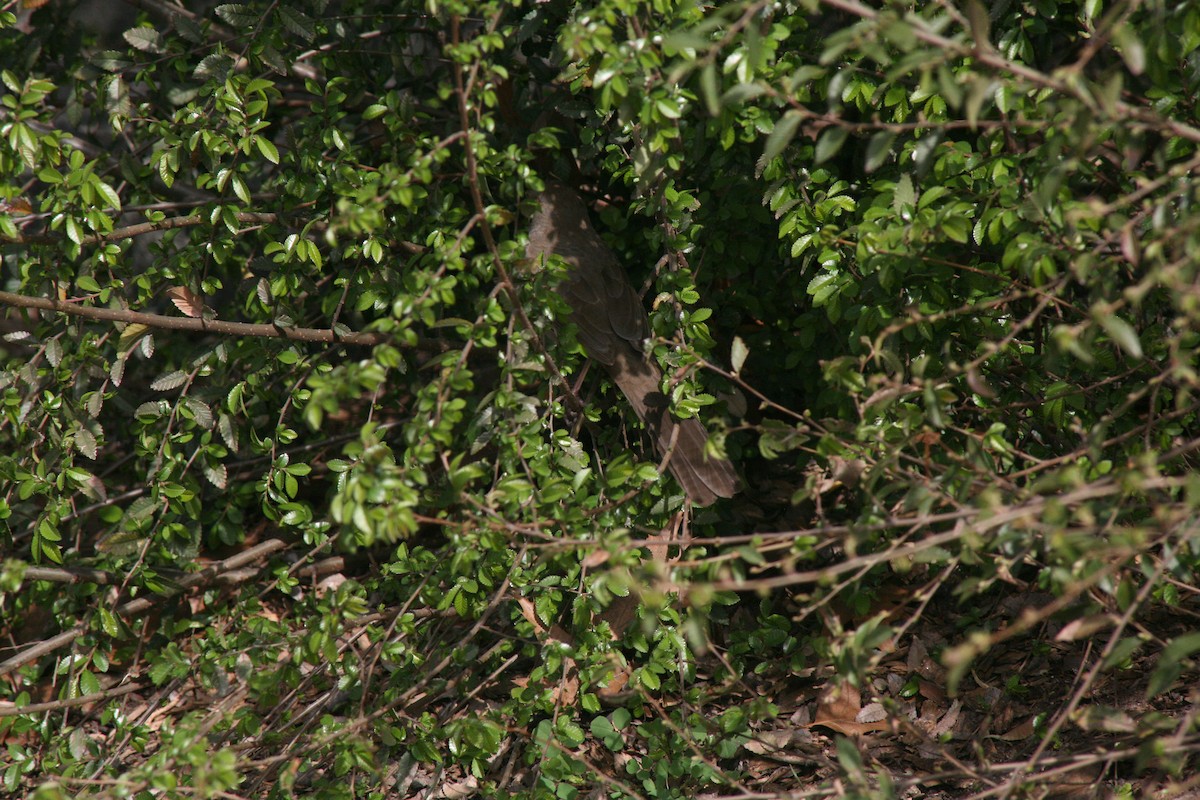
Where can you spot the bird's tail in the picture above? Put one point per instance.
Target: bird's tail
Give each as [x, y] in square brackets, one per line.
[703, 478]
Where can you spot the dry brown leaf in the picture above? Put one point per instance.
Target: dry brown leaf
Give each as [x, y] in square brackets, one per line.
[17, 205]
[931, 691]
[568, 688]
[619, 680]
[329, 583]
[767, 742]
[530, 615]
[188, 302]
[453, 790]
[1104, 718]
[872, 712]
[1083, 628]
[840, 701]
[853, 728]
[596, 558]
[838, 709]
[1023, 730]
[948, 720]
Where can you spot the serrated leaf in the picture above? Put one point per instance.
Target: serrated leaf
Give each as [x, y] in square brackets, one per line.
[85, 442]
[273, 61]
[74, 232]
[187, 28]
[111, 61]
[905, 194]
[263, 290]
[54, 352]
[297, 22]
[215, 66]
[121, 542]
[200, 411]
[172, 380]
[240, 189]
[151, 409]
[187, 301]
[147, 40]
[217, 475]
[117, 372]
[238, 15]
[227, 431]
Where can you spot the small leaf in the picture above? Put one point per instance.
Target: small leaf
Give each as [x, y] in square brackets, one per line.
[108, 193]
[785, 129]
[188, 302]
[737, 354]
[85, 442]
[172, 380]
[979, 22]
[905, 194]
[147, 40]
[267, 148]
[878, 149]
[215, 66]
[830, 143]
[18, 205]
[217, 475]
[1170, 665]
[1130, 47]
[1122, 333]
[54, 352]
[238, 15]
[200, 411]
[228, 432]
[297, 22]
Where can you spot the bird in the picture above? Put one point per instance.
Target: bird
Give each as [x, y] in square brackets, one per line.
[612, 324]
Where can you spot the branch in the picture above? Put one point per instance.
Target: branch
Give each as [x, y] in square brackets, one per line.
[983, 52]
[249, 217]
[141, 604]
[262, 330]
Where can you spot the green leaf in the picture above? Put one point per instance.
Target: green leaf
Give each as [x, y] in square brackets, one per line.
[267, 148]
[879, 147]
[829, 143]
[1170, 663]
[781, 136]
[239, 16]
[147, 40]
[1121, 332]
[216, 66]
[297, 22]
[107, 192]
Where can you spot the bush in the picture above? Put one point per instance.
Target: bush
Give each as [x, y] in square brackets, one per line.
[307, 488]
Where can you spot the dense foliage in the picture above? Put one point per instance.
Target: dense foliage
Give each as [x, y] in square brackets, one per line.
[305, 490]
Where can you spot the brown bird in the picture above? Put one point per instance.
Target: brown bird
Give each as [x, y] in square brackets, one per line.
[612, 326]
